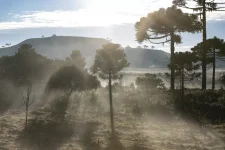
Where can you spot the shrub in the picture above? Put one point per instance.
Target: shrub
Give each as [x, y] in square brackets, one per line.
[66, 78]
[91, 82]
[43, 133]
[222, 78]
[149, 81]
[8, 95]
[59, 107]
[207, 105]
[72, 78]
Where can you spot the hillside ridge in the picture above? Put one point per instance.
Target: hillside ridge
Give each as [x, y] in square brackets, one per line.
[60, 47]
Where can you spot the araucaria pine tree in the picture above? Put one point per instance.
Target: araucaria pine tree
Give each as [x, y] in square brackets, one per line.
[201, 7]
[109, 61]
[165, 26]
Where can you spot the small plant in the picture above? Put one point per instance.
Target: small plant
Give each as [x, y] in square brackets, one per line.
[222, 78]
[27, 101]
[59, 108]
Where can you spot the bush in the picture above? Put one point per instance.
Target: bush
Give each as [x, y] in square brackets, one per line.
[222, 78]
[25, 65]
[59, 107]
[70, 77]
[91, 82]
[208, 105]
[8, 94]
[66, 78]
[45, 134]
[149, 81]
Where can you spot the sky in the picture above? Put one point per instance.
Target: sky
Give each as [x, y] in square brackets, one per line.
[113, 19]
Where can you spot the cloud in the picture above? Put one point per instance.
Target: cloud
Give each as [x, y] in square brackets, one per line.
[77, 18]
[95, 13]
[216, 16]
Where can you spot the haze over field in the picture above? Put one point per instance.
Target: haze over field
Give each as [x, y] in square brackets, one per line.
[112, 75]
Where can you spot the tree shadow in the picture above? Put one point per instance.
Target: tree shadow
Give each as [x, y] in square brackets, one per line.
[85, 131]
[137, 146]
[114, 143]
[49, 135]
[45, 134]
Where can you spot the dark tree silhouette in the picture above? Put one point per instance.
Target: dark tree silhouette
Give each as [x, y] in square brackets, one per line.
[149, 81]
[68, 78]
[7, 44]
[164, 26]
[202, 6]
[214, 49]
[91, 81]
[109, 61]
[72, 76]
[76, 59]
[186, 66]
[25, 65]
[145, 46]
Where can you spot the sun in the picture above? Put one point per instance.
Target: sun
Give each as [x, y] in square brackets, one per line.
[112, 12]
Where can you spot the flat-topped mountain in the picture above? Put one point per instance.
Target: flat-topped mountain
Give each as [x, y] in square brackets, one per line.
[61, 46]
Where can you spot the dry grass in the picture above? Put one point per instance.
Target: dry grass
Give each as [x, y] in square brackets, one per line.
[90, 127]
[11, 124]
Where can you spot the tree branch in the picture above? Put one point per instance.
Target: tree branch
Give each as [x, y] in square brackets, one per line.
[159, 42]
[161, 37]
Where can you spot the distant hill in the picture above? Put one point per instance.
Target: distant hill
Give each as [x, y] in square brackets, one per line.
[145, 58]
[61, 46]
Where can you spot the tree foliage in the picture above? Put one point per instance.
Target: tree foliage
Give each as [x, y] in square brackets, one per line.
[149, 81]
[71, 78]
[186, 67]
[164, 26]
[110, 59]
[66, 78]
[73, 75]
[25, 65]
[214, 49]
[197, 5]
[212, 44]
[91, 81]
[201, 7]
[160, 24]
[76, 59]
[189, 62]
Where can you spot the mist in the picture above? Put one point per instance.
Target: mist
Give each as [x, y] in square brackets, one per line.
[112, 76]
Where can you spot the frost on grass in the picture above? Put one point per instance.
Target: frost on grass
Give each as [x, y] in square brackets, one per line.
[142, 122]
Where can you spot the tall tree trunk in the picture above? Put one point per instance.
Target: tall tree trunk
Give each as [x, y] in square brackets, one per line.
[181, 99]
[180, 79]
[204, 48]
[111, 103]
[214, 68]
[172, 48]
[182, 83]
[26, 116]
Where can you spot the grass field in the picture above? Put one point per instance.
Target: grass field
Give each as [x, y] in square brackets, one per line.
[144, 120]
